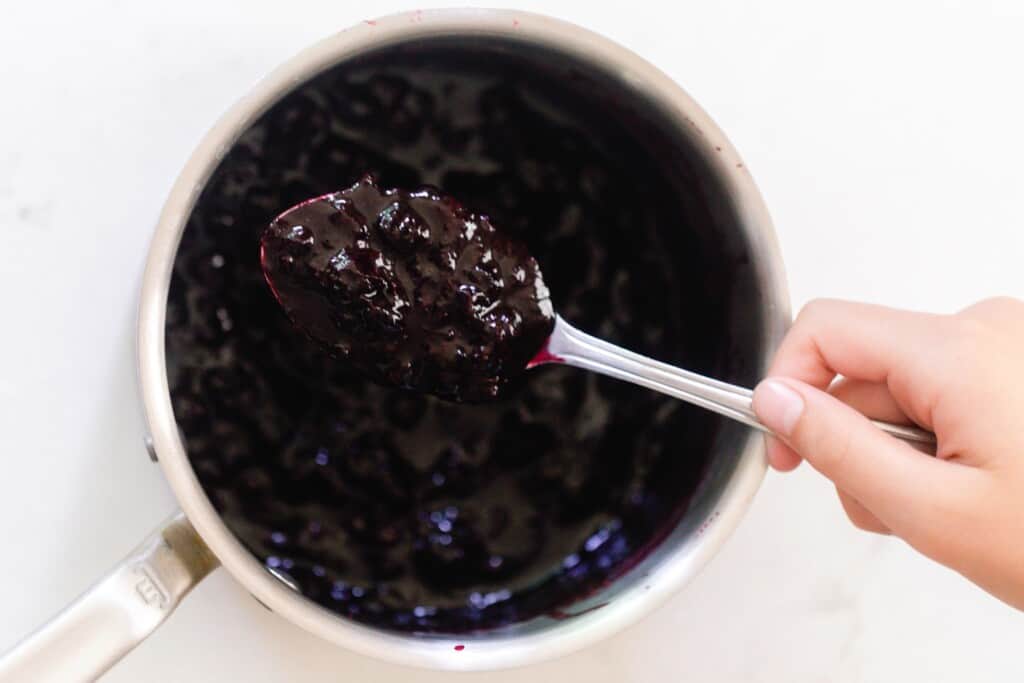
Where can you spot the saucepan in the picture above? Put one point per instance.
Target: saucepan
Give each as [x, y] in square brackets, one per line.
[120, 610]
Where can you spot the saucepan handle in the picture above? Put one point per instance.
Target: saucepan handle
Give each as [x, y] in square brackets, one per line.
[116, 613]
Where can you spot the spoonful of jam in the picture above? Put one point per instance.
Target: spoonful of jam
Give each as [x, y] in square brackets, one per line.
[414, 290]
[410, 288]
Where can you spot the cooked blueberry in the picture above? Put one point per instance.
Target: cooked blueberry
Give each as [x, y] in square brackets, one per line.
[397, 509]
[349, 269]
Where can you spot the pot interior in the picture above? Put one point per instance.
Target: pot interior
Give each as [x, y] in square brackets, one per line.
[409, 514]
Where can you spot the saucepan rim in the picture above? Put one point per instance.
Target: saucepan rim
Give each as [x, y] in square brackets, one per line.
[486, 651]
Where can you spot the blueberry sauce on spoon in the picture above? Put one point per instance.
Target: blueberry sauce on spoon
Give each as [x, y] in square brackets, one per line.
[411, 288]
[418, 292]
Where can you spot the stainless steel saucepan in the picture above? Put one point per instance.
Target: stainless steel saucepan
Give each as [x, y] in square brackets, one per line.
[120, 610]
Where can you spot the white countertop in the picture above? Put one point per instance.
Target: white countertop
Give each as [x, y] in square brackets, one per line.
[888, 141]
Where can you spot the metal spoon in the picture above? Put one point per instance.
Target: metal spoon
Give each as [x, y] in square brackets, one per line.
[569, 346]
[356, 251]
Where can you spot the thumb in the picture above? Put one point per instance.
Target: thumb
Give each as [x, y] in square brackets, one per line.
[904, 488]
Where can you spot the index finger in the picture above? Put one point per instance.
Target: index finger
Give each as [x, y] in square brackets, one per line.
[862, 342]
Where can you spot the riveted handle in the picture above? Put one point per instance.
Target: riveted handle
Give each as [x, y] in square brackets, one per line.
[115, 614]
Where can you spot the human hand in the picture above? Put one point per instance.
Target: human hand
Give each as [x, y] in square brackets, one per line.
[961, 376]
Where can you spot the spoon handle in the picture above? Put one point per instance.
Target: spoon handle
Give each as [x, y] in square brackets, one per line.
[572, 347]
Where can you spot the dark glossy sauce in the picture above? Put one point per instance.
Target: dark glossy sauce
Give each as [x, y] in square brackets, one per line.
[410, 288]
[404, 511]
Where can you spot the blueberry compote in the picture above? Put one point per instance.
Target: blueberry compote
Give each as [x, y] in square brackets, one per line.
[411, 513]
[411, 288]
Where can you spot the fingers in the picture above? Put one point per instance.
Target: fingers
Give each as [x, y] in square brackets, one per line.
[869, 398]
[861, 517]
[905, 490]
[780, 456]
[873, 400]
[1001, 310]
[862, 342]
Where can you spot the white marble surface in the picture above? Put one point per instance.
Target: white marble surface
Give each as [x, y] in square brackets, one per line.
[887, 138]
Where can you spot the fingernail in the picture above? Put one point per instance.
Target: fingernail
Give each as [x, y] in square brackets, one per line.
[778, 406]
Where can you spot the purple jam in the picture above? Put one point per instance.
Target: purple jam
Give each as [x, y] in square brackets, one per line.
[407, 512]
[410, 288]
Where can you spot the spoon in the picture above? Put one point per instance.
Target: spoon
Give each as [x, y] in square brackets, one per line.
[414, 290]
[569, 346]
